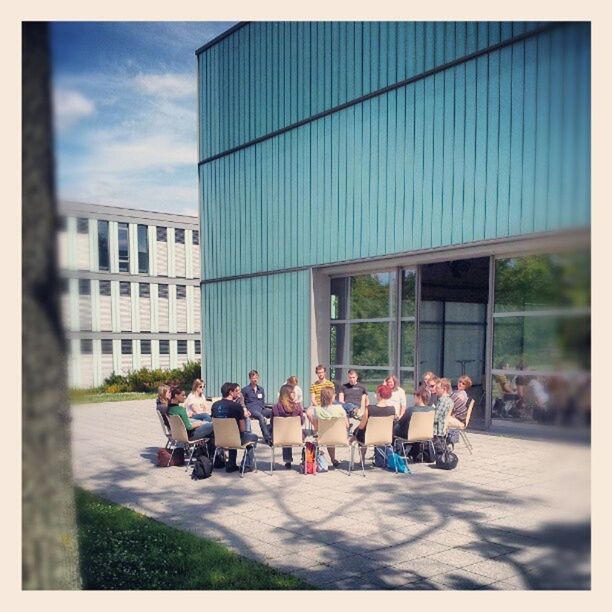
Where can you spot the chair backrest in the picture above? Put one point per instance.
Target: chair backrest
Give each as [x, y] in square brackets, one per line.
[468, 416]
[379, 430]
[227, 434]
[332, 432]
[287, 431]
[177, 428]
[163, 423]
[421, 426]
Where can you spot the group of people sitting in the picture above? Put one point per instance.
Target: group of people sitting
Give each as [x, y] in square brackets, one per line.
[349, 401]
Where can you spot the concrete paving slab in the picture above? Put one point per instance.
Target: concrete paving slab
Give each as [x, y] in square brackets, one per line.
[502, 519]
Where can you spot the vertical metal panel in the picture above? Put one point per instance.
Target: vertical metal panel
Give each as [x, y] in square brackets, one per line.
[85, 312]
[105, 314]
[489, 149]
[144, 307]
[257, 323]
[125, 313]
[82, 251]
[180, 262]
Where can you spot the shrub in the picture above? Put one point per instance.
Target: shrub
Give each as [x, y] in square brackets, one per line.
[148, 380]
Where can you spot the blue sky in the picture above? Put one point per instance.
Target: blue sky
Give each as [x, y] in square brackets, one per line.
[125, 115]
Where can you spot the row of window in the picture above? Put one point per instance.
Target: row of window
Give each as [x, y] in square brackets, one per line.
[124, 242]
[145, 347]
[125, 289]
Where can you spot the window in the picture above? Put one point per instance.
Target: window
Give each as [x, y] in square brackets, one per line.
[195, 237]
[145, 347]
[181, 292]
[143, 249]
[144, 290]
[84, 286]
[86, 347]
[126, 347]
[181, 347]
[82, 226]
[362, 333]
[125, 289]
[103, 262]
[198, 347]
[162, 291]
[164, 347]
[107, 347]
[162, 234]
[105, 287]
[542, 337]
[124, 247]
[179, 236]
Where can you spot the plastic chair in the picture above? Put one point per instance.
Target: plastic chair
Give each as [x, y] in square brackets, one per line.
[420, 429]
[332, 432]
[227, 437]
[378, 432]
[179, 435]
[165, 430]
[461, 430]
[286, 431]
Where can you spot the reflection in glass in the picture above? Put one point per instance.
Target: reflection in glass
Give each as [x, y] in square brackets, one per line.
[542, 343]
[408, 293]
[124, 248]
[371, 295]
[370, 344]
[407, 344]
[339, 298]
[336, 344]
[143, 250]
[559, 399]
[407, 383]
[538, 282]
[103, 245]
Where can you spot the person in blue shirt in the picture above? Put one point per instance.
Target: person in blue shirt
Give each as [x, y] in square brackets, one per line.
[254, 398]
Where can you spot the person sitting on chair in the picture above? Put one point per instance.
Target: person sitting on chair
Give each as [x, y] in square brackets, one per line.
[384, 407]
[286, 406]
[327, 410]
[195, 431]
[460, 401]
[422, 399]
[444, 406]
[230, 408]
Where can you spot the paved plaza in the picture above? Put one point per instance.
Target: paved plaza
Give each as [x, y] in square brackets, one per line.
[514, 515]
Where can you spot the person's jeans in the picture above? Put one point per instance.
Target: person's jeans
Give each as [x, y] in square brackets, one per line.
[203, 431]
[202, 416]
[263, 423]
[349, 408]
[248, 457]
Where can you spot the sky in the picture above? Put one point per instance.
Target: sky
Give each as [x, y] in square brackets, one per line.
[125, 112]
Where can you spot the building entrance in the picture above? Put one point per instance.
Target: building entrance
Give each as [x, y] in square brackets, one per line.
[452, 326]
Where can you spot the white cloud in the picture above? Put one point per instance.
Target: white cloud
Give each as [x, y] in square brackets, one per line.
[167, 85]
[69, 107]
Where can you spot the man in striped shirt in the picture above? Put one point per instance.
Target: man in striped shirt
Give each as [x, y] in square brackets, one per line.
[317, 385]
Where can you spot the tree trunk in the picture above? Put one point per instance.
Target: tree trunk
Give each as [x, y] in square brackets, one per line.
[50, 549]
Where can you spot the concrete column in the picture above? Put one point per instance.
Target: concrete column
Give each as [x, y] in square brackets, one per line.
[113, 246]
[93, 245]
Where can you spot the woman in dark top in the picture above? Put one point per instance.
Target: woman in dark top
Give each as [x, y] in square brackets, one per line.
[285, 407]
[384, 407]
[422, 399]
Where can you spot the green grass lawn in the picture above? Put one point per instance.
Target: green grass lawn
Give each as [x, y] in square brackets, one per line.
[121, 549]
[80, 397]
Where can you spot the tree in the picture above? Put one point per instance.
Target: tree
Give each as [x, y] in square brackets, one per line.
[50, 551]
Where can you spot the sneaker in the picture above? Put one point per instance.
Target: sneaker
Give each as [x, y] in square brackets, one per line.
[335, 463]
[288, 465]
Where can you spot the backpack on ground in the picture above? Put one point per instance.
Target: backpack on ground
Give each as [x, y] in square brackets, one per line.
[380, 456]
[394, 460]
[421, 452]
[202, 468]
[321, 462]
[309, 460]
[447, 460]
[166, 458]
[219, 460]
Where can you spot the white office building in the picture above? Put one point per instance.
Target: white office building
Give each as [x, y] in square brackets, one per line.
[131, 290]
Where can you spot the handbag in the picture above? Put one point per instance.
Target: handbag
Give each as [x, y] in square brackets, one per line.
[447, 460]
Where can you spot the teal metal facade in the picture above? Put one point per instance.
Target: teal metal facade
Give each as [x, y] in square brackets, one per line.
[334, 142]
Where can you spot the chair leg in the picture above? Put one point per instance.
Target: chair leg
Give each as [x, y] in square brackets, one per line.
[391, 447]
[466, 441]
[171, 455]
[362, 461]
[193, 446]
[351, 459]
[271, 460]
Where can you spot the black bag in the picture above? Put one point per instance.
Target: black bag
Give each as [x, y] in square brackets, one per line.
[420, 452]
[219, 460]
[202, 468]
[380, 456]
[447, 460]
[452, 437]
